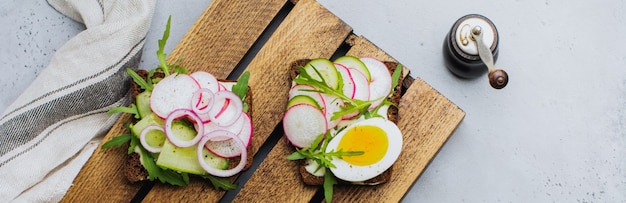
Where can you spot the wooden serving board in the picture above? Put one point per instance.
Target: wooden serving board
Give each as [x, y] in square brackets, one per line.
[264, 37]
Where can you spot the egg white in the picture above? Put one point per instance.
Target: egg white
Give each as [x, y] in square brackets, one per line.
[354, 173]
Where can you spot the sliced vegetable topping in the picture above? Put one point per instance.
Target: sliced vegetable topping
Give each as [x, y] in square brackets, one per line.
[303, 123]
[151, 136]
[171, 93]
[180, 140]
[190, 104]
[216, 171]
[351, 91]
[226, 109]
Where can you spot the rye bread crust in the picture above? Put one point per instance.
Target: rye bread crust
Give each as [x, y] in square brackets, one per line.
[392, 114]
[135, 171]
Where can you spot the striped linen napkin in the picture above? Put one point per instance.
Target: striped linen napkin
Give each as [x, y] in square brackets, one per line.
[54, 126]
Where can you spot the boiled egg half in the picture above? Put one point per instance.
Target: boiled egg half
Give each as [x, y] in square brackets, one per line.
[378, 138]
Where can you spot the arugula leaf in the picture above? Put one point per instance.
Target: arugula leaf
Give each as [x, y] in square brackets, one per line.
[395, 77]
[241, 87]
[352, 105]
[295, 156]
[144, 84]
[329, 181]
[134, 142]
[318, 153]
[117, 141]
[160, 54]
[132, 109]
[177, 68]
[220, 183]
[156, 172]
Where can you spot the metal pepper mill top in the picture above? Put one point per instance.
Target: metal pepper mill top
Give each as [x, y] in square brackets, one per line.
[471, 48]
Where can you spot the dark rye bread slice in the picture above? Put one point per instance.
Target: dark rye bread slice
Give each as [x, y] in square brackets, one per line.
[134, 169]
[392, 114]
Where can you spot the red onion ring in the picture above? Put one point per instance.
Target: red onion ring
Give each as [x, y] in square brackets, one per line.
[226, 109]
[202, 101]
[179, 113]
[220, 172]
[144, 143]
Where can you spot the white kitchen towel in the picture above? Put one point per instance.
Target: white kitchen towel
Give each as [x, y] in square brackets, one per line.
[52, 128]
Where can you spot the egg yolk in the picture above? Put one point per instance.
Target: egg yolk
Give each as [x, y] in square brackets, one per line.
[372, 140]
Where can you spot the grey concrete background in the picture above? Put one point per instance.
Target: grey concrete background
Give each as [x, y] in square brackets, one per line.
[556, 133]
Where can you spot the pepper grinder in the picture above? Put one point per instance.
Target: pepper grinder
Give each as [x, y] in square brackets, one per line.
[471, 48]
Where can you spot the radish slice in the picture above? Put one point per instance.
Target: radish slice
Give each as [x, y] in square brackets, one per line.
[144, 142]
[333, 104]
[224, 146]
[226, 109]
[352, 62]
[171, 136]
[172, 92]
[246, 130]
[380, 86]
[348, 82]
[234, 128]
[206, 80]
[220, 172]
[361, 86]
[302, 124]
[302, 90]
[202, 101]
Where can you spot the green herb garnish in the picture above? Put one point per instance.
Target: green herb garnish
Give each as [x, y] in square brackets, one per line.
[351, 105]
[162, 56]
[117, 141]
[220, 183]
[318, 153]
[241, 87]
[132, 109]
[329, 182]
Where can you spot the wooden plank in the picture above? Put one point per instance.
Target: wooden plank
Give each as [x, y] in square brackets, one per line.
[427, 119]
[311, 32]
[216, 43]
[223, 34]
[104, 170]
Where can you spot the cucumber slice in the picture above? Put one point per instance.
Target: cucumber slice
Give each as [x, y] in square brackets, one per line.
[155, 138]
[143, 104]
[303, 99]
[354, 63]
[186, 159]
[149, 119]
[327, 69]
